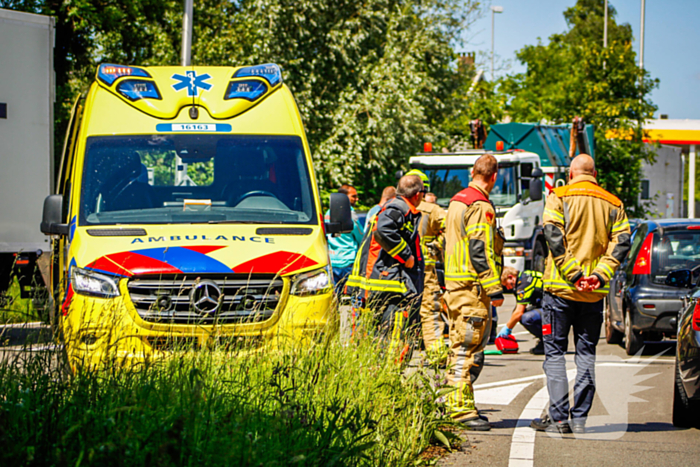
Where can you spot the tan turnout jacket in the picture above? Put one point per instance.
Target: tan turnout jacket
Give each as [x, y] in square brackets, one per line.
[473, 244]
[587, 233]
[432, 224]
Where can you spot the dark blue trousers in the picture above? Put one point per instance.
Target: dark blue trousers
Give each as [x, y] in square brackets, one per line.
[532, 321]
[558, 317]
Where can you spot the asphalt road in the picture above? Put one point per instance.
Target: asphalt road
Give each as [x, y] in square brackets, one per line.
[629, 424]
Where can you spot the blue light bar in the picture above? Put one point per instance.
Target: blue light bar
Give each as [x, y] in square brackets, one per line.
[109, 73]
[135, 89]
[249, 89]
[269, 71]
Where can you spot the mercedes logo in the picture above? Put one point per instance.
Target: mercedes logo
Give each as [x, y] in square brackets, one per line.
[206, 297]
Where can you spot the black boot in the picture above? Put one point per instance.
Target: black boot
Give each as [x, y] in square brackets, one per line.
[478, 423]
[539, 348]
[547, 424]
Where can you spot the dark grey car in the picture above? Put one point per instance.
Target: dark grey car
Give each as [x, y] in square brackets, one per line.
[686, 384]
[640, 306]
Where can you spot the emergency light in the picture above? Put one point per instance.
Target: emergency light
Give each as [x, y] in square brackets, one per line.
[135, 89]
[245, 89]
[270, 72]
[109, 73]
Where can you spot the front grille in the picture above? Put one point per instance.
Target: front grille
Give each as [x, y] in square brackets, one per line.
[244, 298]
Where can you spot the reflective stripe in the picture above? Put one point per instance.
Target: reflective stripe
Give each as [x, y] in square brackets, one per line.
[555, 214]
[555, 284]
[490, 282]
[456, 276]
[377, 285]
[571, 264]
[607, 269]
[622, 225]
[477, 227]
[398, 248]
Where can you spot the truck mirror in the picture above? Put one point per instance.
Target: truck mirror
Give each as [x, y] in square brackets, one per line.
[399, 174]
[340, 215]
[52, 216]
[536, 184]
[535, 189]
[680, 278]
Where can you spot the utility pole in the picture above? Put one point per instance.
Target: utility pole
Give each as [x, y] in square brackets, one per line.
[605, 30]
[187, 33]
[605, 26]
[494, 10]
[641, 40]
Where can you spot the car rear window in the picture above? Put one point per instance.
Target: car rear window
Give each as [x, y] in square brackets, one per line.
[678, 249]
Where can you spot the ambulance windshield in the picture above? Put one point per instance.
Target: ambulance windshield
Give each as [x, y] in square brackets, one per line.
[196, 178]
[447, 181]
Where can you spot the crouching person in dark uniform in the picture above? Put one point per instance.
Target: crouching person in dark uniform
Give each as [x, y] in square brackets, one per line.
[387, 276]
[527, 287]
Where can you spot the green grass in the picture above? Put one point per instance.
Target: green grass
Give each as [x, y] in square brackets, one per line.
[328, 404]
[14, 309]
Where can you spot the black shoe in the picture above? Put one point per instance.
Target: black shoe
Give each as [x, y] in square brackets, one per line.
[478, 423]
[578, 426]
[538, 349]
[547, 424]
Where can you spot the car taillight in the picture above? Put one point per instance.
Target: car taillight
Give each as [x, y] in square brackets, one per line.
[642, 265]
[696, 316]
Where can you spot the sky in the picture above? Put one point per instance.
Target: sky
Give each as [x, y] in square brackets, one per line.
[671, 42]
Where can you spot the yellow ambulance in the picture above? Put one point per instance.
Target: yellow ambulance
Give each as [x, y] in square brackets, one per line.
[187, 211]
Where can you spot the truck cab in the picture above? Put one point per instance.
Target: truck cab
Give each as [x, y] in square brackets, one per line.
[187, 212]
[517, 197]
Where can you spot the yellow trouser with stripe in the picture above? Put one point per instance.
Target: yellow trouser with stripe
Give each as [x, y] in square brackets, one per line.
[469, 311]
[431, 319]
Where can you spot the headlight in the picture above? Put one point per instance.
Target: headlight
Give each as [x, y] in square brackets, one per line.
[312, 283]
[517, 251]
[93, 283]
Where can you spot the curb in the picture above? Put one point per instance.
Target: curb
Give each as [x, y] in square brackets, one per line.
[25, 334]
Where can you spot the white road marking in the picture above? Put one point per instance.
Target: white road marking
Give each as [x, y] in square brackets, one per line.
[522, 446]
[499, 396]
[508, 382]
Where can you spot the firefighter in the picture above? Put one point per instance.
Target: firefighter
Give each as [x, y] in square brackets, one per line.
[473, 281]
[588, 235]
[527, 288]
[432, 225]
[387, 275]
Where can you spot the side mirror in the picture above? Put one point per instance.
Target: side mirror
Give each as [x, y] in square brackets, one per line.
[398, 174]
[680, 278]
[52, 216]
[536, 185]
[340, 215]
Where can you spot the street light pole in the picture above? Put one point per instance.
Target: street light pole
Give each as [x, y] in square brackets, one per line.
[187, 33]
[641, 39]
[494, 10]
[605, 26]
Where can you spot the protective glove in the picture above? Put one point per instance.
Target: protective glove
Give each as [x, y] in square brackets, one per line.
[504, 332]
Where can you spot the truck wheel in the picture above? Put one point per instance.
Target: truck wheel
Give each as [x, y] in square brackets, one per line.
[633, 339]
[685, 411]
[612, 335]
[539, 255]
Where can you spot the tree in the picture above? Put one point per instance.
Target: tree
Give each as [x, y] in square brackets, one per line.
[574, 75]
